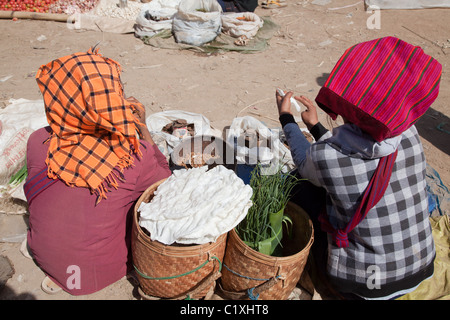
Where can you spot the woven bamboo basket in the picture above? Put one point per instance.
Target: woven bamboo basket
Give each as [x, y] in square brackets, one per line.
[249, 274]
[175, 271]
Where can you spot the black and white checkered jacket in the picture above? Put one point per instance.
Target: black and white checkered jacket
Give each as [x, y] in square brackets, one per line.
[391, 251]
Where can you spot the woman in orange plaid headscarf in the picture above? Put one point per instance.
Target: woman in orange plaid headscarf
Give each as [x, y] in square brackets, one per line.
[86, 170]
[94, 128]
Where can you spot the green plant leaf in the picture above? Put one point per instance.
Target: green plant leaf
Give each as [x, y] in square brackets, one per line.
[270, 195]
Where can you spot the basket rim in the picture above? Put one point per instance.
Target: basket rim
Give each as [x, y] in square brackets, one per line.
[273, 260]
[169, 250]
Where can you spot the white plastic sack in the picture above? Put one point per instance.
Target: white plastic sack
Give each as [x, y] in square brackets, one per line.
[196, 206]
[406, 4]
[13, 155]
[155, 16]
[271, 155]
[157, 121]
[18, 120]
[241, 24]
[197, 21]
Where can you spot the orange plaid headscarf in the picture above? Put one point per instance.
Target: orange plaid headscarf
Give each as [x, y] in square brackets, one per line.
[94, 129]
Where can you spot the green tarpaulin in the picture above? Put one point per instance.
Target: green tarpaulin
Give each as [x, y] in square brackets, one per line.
[223, 42]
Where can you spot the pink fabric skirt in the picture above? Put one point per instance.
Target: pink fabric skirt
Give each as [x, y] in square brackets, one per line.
[82, 247]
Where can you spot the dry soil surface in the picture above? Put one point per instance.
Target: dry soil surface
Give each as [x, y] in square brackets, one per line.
[223, 86]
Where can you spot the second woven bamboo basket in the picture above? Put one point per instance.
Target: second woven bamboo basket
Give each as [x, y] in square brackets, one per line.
[249, 274]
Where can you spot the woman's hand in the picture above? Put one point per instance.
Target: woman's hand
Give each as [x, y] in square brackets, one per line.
[309, 116]
[284, 103]
[139, 109]
[139, 113]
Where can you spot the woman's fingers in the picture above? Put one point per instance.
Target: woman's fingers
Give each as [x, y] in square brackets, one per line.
[306, 102]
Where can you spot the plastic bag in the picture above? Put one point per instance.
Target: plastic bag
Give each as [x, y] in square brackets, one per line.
[255, 143]
[438, 194]
[155, 122]
[197, 21]
[155, 16]
[241, 24]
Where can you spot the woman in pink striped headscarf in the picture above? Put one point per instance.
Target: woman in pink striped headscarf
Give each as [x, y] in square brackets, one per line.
[371, 170]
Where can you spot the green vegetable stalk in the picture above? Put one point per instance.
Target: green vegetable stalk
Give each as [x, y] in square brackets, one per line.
[19, 176]
[261, 229]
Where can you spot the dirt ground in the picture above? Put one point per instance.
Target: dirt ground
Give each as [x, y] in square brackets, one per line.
[309, 42]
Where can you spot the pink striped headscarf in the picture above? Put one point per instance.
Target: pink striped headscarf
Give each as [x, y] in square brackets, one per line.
[384, 86]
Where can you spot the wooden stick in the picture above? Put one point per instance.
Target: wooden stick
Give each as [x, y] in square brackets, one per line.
[34, 16]
[252, 104]
[263, 116]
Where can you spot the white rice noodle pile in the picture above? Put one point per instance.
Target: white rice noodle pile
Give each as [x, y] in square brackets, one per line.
[112, 9]
[196, 206]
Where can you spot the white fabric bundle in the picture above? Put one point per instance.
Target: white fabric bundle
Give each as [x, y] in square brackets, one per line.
[196, 206]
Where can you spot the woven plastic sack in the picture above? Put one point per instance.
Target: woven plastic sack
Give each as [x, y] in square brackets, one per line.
[197, 21]
[18, 121]
[155, 16]
[241, 24]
